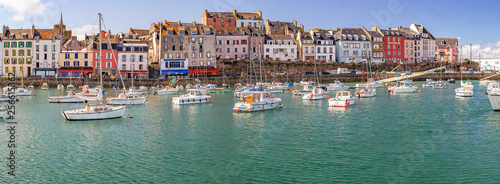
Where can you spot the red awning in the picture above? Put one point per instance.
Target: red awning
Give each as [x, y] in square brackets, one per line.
[128, 71]
[210, 70]
[75, 70]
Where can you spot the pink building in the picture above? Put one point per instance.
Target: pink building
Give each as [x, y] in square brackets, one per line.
[239, 43]
[447, 49]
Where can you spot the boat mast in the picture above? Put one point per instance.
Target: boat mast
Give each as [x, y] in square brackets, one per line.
[100, 51]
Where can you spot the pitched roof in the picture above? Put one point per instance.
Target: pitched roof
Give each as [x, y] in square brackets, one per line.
[443, 42]
[46, 33]
[374, 33]
[351, 34]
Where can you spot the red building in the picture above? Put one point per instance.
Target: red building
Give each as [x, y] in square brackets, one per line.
[109, 53]
[394, 46]
[219, 19]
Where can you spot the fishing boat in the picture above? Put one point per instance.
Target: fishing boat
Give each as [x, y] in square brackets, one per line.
[96, 111]
[194, 96]
[45, 86]
[60, 87]
[370, 88]
[337, 86]
[451, 80]
[168, 90]
[70, 87]
[402, 87]
[258, 101]
[70, 97]
[366, 92]
[430, 83]
[343, 99]
[315, 94]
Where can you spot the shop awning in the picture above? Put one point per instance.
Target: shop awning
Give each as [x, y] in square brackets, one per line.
[174, 72]
[135, 71]
[202, 70]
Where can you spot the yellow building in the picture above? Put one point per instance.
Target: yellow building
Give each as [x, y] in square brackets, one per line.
[75, 63]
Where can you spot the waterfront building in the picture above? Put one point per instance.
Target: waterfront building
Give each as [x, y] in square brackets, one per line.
[352, 45]
[305, 46]
[109, 47]
[447, 49]
[324, 45]
[377, 45]
[282, 28]
[132, 59]
[489, 64]
[426, 45]
[232, 43]
[17, 51]
[393, 42]
[184, 40]
[1, 51]
[410, 38]
[175, 67]
[255, 42]
[232, 19]
[280, 47]
[74, 60]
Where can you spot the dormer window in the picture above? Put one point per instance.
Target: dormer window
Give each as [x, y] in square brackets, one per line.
[11, 36]
[344, 36]
[170, 32]
[25, 35]
[442, 42]
[53, 39]
[194, 32]
[207, 32]
[356, 37]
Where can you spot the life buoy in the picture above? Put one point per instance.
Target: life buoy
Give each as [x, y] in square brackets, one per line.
[347, 102]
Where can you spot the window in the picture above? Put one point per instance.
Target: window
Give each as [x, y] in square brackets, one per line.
[170, 55]
[14, 61]
[228, 50]
[21, 44]
[178, 55]
[173, 40]
[306, 50]
[267, 50]
[124, 58]
[228, 42]
[173, 48]
[319, 50]
[86, 63]
[324, 50]
[201, 54]
[141, 58]
[181, 48]
[388, 53]
[6, 44]
[220, 42]
[97, 55]
[108, 55]
[200, 40]
[86, 56]
[193, 55]
[208, 54]
[244, 41]
[13, 52]
[185, 55]
[14, 44]
[222, 20]
[346, 53]
[236, 50]
[53, 56]
[37, 56]
[76, 55]
[53, 48]
[355, 53]
[193, 47]
[66, 56]
[45, 48]
[399, 53]
[208, 62]
[293, 50]
[215, 19]
[166, 48]
[21, 52]
[6, 53]
[201, 63]
[229, 20]
[76, 63]
[37, 48]
[28, 52]
[66, 63]
[108, 64]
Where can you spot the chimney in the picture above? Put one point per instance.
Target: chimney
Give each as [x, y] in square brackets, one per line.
[103, 33]
[205, 13]
[294, 23]
[375, 28]
[302, 27]
[259, 13]
[234, 13]
[179, 22]
[194, 23]
[164, 22]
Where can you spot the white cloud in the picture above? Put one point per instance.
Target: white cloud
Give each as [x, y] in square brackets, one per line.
[85, 29]
[22, 9]
[487, 50]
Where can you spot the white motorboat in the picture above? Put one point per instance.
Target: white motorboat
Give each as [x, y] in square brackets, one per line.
[4, 97]
[60, 87]
[337, 86]
[343, 99]
[45, 86]
[70, 87]
[491, 86]
[316, 94]
[94, 112]
[430, 83]
[168, 91]
[494, 97]
[278, 85]
[126, 99]
[18, 91]
[439, 85]
[468, 85]
[258, 101]
[305, 90]
[403, 86]
[371, 83]
[31, 87]
[70, 97]
[484, 82]
[194, 96]
[366, 92]
[273, 89]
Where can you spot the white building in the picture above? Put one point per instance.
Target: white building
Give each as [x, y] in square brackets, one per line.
[352, 45]
[17, 51]
[1, 63]
[325, 46]
[489, 64]
[280, 47]
[427, 43]
[132, 57]
[249, 19]
[46, 48]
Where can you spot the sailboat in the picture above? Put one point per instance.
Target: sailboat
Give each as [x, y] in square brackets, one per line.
[317, 92]
[127, 98]
[223, 89]
[440, 84]
[466, 89]
[95, 111]
[369, 90]
[21, 91]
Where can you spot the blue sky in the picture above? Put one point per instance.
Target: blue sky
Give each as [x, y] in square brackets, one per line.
[473, 21]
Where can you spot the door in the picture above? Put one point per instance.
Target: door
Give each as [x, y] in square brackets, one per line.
[29, 70]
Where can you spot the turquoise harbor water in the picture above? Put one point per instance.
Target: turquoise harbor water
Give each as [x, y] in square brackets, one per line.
[426, 137]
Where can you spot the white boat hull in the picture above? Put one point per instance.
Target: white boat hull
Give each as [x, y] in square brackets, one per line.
[83, 114]
[126, 101]
[65, 99]
[464, 93]
[411, 89]
[495, 102]
[310, 96]
[337, 88]
[257, 106]
[301, 92]
[341, 102]
[168, 92]
[191, 100]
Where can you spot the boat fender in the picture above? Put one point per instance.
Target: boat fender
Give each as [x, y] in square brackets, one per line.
[182, 101]
[200, 99]
[347, 102]
[210, 100]
[327, 97]
[238, 110]
[57, 100]
[288, 89]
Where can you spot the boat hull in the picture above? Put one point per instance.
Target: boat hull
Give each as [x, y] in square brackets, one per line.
[191, 100]
[257, 106]
[65, 99]
[314, 97]
[81, 115]
[167, 92]
[495, 102]
[126, 101]
[341, 102]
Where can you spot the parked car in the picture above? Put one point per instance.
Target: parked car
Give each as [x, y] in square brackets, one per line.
[232, 74]
[325, 73]
[280, 73]
[353, 72]
[309, 73]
